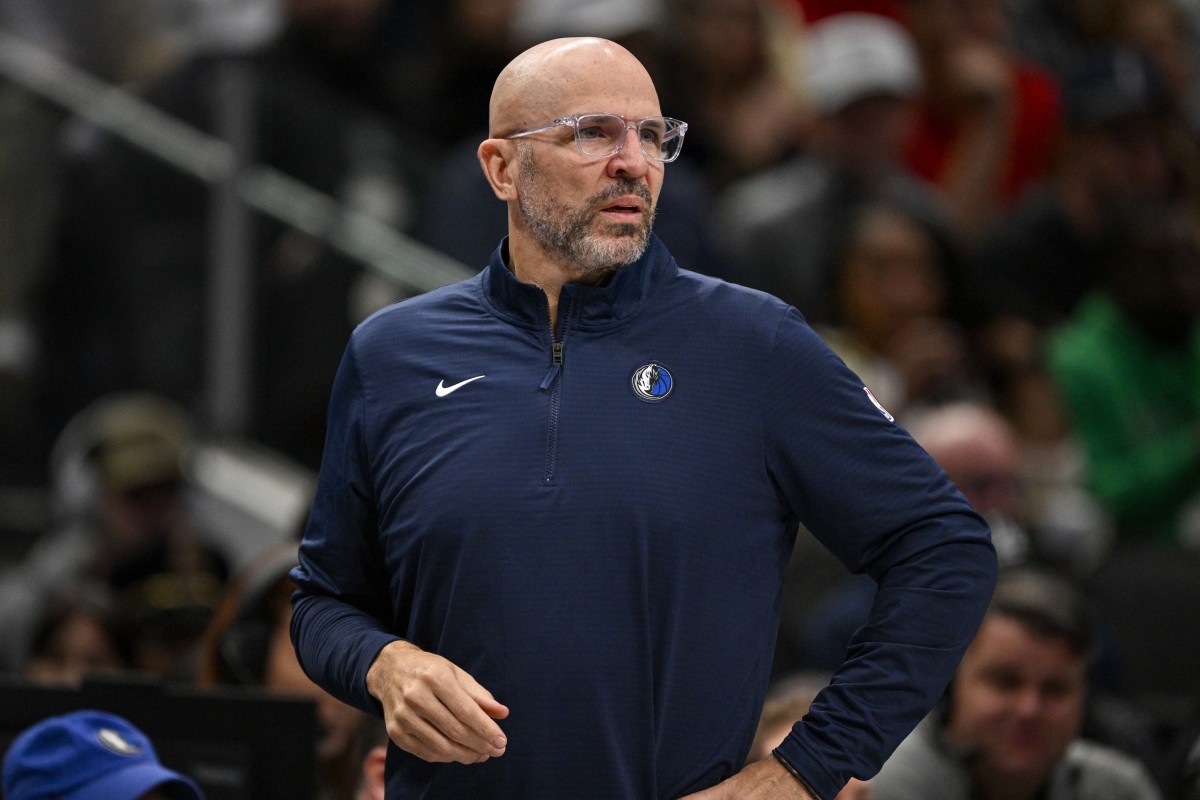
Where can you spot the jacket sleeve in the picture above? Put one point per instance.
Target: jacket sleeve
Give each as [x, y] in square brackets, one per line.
[340, 608]
[874, 498]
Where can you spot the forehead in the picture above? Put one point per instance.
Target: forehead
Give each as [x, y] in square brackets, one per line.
[596, 81]
[1002, 639]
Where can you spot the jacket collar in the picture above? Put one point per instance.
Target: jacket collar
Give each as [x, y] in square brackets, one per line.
[589, 306]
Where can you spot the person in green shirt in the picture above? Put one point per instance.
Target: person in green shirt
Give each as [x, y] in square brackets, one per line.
[1127, 364]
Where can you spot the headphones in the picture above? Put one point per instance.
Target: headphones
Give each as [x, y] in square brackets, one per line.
[74, 476]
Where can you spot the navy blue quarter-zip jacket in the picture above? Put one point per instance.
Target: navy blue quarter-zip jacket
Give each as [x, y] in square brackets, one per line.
[594, 523]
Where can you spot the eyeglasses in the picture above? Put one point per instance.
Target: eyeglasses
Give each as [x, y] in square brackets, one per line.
[600, 135]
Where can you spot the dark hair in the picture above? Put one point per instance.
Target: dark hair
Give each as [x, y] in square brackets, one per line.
[1046, 604]
[91, 600]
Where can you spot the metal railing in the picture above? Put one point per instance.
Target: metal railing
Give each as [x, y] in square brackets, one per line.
[212, 160]
[238, 183]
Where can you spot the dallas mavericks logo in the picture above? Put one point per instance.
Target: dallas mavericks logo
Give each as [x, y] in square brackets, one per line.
[651, 382]
[114, 741]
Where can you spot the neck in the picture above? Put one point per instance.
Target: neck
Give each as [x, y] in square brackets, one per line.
[530, 264]
[991, 786]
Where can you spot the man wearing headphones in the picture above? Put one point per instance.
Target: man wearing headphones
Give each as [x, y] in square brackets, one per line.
[1009, 727]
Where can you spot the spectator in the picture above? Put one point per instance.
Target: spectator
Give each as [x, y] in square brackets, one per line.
[1032, 270]
[77, 635]
[1165, 32]
[374, 760]
[892, 324]
[90, 755]
[982, 453]
[784, 227]
[1128, 365]
[1009, 727]
[988, 122]
[125, 523]
[1042, 260]
[1160, 30]
[726, 71]
[1057, 34]
[247, 644]
[448, 71]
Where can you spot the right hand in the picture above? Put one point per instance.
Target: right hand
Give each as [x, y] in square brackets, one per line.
[433, 709]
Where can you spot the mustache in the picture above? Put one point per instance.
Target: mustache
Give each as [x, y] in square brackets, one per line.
[620, 189]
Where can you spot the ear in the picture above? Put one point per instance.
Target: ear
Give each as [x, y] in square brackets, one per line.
[497, 157]
[373, 768]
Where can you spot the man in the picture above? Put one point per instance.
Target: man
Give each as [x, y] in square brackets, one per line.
[783, 227]
[1127, 364]
[553, 579]
[1010, 727]
[123, 521]
[89, 755]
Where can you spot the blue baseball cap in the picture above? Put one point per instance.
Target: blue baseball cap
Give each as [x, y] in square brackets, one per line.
[88, 755]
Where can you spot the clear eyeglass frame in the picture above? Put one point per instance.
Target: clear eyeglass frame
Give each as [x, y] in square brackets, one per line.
[660, 138]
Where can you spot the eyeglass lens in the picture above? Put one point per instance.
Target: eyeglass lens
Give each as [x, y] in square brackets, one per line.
[603, 134]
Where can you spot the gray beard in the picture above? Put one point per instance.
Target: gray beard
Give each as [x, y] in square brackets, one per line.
[566, 232]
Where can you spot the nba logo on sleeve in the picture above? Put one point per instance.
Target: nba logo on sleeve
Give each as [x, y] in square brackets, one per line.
[878, 405]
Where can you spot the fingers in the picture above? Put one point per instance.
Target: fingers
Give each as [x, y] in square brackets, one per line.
[436, 741]
[462, 721]
[483, 698]
[435, 710]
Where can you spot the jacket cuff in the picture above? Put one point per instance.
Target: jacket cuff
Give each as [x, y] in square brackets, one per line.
[792, 771]
[807, 769]
[373, 643]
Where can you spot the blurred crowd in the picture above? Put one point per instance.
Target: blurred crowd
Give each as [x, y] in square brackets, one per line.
[989, 208]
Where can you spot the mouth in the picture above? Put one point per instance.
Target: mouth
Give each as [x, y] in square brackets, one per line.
[625, 208]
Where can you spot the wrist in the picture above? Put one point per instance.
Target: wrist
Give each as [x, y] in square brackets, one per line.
[795, 774]
[380, 665]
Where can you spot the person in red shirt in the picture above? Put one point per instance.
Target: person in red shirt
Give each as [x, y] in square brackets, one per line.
[989, 122]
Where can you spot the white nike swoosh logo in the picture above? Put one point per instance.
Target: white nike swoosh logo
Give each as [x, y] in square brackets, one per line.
[442, 391]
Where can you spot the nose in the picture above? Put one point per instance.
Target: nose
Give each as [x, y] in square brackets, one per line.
[1028, 703]
[629, 161]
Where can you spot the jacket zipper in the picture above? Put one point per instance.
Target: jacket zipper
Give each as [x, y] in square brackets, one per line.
[553, 383]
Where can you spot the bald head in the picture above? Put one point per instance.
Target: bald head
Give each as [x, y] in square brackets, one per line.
[567, 76]
[978, 449]
[966, 427]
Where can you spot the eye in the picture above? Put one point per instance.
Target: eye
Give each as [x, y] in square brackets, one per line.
[591, 133]
[652, 133]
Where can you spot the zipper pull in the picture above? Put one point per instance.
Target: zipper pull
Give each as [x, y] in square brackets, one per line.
[555, 368]
[550, 376]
